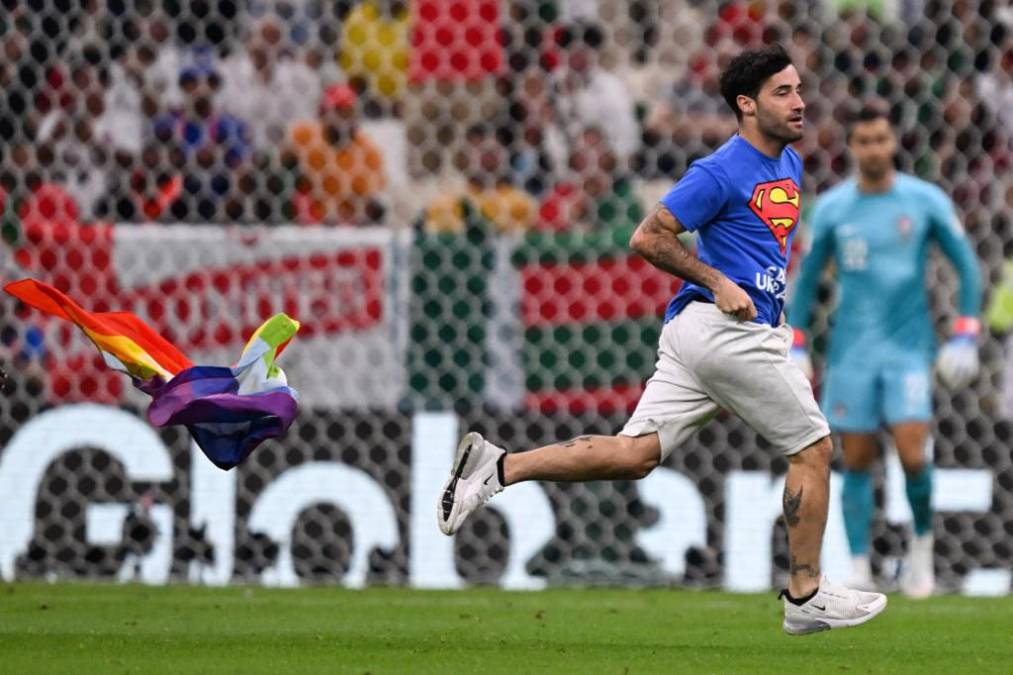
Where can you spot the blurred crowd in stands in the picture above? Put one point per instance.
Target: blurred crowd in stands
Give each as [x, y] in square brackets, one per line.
[542, 114]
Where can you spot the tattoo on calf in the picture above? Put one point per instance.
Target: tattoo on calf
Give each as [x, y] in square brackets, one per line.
[795, 567]
[792, 504]
[573, 441]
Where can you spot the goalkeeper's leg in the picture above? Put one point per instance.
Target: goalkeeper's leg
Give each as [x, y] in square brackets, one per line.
[857, 503]
[914, 449]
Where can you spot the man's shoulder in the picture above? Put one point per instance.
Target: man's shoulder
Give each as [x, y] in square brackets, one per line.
[832, 203]
[716, 163]
[913, 187]
[843, 191]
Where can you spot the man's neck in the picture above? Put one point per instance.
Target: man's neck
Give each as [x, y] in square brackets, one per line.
[764, 144]
[876, 184]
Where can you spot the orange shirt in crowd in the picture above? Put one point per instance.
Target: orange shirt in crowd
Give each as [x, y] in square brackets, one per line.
[339, 182]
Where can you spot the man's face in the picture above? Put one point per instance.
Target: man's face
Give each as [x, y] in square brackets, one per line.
[200, 92]
[265, 44]
[873, 146]
[779, 106]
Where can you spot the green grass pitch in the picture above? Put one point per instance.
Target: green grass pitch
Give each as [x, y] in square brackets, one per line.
[86, 628]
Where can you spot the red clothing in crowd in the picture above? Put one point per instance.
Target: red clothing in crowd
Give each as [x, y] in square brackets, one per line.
[455, 40]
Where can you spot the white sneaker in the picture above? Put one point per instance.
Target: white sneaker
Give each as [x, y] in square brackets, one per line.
[861, 574]
[474, 479]
[919, 578]
[833, 606]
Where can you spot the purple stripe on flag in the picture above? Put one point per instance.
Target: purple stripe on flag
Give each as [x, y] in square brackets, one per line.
[226, 425]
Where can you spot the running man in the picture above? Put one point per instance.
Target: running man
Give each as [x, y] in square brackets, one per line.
[877, 227]
[723, 345]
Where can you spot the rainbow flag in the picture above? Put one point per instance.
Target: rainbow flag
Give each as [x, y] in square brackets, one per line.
[228, 410]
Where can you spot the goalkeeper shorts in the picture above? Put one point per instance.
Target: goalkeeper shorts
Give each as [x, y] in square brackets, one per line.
[861, 399]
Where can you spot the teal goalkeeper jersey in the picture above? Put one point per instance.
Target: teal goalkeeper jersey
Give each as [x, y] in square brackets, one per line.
[880, 245]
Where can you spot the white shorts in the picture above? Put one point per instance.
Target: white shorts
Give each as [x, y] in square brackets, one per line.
[707, 361]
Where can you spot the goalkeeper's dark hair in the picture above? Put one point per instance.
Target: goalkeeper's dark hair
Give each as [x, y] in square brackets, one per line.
[869, 112]
[747, 72]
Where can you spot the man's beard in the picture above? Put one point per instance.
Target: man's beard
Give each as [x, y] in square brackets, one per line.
[875, 170]
[778, 130]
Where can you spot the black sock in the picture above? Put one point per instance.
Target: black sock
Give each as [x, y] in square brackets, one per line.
[499, 469]
[799, 601]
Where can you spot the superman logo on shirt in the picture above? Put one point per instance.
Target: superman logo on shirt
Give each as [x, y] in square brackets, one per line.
[777, 204]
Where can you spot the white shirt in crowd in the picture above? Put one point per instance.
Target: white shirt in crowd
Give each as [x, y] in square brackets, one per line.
[604, 102]
[268, 107]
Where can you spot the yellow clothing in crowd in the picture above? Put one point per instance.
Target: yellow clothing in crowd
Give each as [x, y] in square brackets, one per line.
[376, 47]
[506, 207]
[340, 181]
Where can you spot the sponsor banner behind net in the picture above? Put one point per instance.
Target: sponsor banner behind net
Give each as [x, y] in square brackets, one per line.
[88, 489]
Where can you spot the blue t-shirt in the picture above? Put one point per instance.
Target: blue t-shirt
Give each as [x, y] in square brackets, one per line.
[744, 207]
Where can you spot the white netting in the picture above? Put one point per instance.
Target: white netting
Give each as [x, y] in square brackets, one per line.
[442, 191]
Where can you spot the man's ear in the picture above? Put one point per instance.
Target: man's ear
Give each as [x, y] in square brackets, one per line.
[746, 104]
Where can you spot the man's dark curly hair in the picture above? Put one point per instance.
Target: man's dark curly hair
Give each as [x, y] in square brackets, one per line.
[747, 72]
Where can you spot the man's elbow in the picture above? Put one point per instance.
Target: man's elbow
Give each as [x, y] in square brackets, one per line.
[638, 241]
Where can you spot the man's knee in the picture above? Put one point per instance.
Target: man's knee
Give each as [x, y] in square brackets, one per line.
[640, 455]
[817, 455]
[913, 463]
[912, 442]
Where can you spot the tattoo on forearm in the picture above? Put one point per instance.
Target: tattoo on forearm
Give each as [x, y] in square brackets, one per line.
[661, 247]
[795, 567]
[792, 505]
[573, 441]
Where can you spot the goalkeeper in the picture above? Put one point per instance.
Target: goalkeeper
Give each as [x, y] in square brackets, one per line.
[877, 227]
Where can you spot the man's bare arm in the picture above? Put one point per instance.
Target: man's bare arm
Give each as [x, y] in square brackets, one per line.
[657, 240]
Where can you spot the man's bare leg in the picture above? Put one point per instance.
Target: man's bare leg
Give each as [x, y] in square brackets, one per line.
[806, 492]
[586, 458]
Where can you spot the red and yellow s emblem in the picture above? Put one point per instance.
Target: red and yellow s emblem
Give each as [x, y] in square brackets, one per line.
[777, 204]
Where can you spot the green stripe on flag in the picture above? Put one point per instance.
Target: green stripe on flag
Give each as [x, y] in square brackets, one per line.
[272, 334]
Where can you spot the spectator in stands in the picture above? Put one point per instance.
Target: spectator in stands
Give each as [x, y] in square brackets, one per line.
[995, 87]
[146, 188]
[212, 147]
[535, 153]
[587, 95]
[267, 86]
[18, 77]
[689, 113]
[163, 59]
[488, 191]
[341, 170]
[453, 74]
[22, 356]
[598, 195]
[689, 118]
[69, 145]
[33, 205]
[375, 48]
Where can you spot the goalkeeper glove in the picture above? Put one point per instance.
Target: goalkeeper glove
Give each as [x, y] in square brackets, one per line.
[800, 355]
[958, 359]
